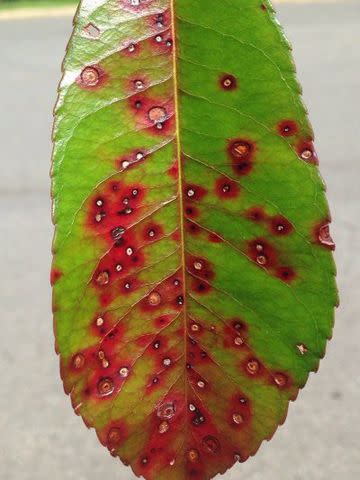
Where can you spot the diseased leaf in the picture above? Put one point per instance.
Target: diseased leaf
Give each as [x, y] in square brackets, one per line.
[193, 279]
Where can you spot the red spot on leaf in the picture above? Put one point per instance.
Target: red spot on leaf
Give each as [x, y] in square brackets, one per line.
[154, 114]
[287, 128]
[228, 82]
[200, 267]
[279, 225]
[215, 238]
[287, 274]
[239, 412]
[241, 152]
[55, 275]
[262, 253]
[192, 227]
[194, 192]
[256, 214]
[226, 188]
[200, 287]
[191, 211]
[306, 151]
[174, 170]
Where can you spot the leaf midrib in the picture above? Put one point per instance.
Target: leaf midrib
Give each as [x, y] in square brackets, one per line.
[181, 200]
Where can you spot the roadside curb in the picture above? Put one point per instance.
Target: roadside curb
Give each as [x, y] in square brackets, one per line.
[27, 13]
[69, 10]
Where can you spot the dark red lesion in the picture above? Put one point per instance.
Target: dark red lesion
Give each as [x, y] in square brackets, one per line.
[256, 214]
[226, 188]
[114, 435]
[131, 159]
[235, 335]
[161, 43]
[200, 267]
[286, 274]
[113, 213]
[155, 114]
[195, 192]
[287, 128]
[215, 238]
[228, 82]
[265, 256]
[279, 225]
[159, 21]
[306, 151]
[239, 412]
[163, 298]
[173, 171]
[192, 228]
[114, 205]
[129, 48]
[55, 274]
[152, 232]
[262, 253]
[200, 287]
[191, 211]
[241, 152]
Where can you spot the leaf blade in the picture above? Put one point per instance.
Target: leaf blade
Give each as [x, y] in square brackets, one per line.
[212, 260]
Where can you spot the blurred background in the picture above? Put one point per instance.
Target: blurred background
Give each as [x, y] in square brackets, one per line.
[40, 437]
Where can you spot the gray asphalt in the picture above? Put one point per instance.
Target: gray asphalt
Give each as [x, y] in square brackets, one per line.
[40, 437]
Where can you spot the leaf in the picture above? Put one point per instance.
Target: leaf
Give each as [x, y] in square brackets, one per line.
[193, 276]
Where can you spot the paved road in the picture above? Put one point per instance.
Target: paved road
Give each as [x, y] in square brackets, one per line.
[40, 438]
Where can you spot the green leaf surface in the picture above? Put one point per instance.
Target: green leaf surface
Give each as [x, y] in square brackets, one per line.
[193, 275]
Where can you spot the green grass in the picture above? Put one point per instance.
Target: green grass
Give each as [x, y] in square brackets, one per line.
[12, 4]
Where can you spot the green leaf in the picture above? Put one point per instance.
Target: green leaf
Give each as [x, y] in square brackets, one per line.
[193, 276]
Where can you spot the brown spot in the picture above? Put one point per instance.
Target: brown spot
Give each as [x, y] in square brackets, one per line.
[114, 437]
[105, 387]
[78, 361]
[280, 380]
[102, 278]
[302, 348]
[193, 455]
[92, 30]
[306, 151]
[157, 115]
[154, 299]
[253, 367]
[261, 252]
[91, 77]
[238, 419]
[164, 427]
[166, 411]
